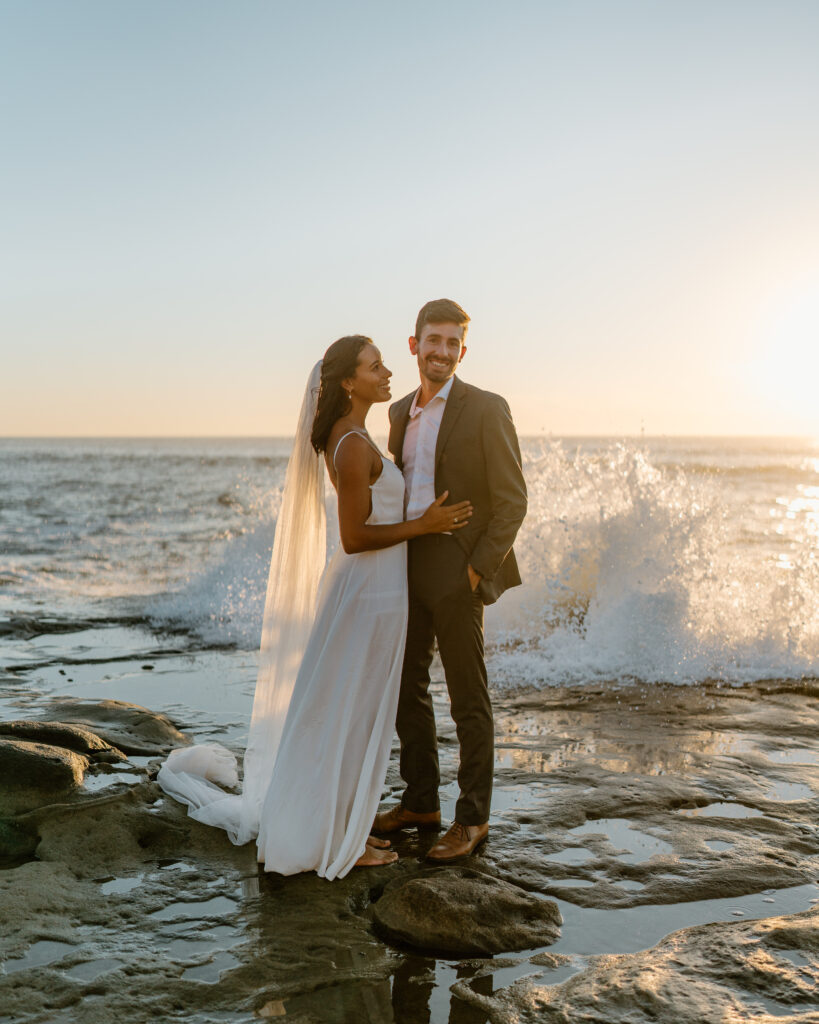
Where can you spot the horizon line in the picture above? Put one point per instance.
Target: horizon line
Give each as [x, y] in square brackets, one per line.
[278, 437]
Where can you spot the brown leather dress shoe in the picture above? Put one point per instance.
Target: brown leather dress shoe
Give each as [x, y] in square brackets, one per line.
[399, 817]
[459, 841]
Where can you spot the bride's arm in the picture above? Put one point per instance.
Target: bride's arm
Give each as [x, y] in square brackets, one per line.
[353, 468]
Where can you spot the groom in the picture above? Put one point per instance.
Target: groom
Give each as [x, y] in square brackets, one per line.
[451, 436]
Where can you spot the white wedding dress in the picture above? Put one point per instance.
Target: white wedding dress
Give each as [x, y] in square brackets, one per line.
[335, 746]
[313, 787]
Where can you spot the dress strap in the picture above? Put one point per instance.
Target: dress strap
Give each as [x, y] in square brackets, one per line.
[360, 433]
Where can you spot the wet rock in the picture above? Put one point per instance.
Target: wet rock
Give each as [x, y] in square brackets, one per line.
[16, 842]
[61, 734]
[128, 828]
[33, 774]
[607, 806]
[704, 975]
[462, 911]
[550, 960]
[606, 800]
[131, 728]
[39, 901]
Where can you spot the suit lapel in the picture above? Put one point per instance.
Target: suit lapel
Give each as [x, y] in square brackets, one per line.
[398, 427]
[452, 410]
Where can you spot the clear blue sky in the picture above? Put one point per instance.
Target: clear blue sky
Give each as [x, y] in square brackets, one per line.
[198, 197]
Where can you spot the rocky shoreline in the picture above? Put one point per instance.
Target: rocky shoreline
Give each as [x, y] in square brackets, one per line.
[654, 853]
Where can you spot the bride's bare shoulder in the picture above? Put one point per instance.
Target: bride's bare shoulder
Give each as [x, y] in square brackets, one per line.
[356, 449]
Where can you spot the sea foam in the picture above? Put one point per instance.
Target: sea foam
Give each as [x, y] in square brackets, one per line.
[641, 572]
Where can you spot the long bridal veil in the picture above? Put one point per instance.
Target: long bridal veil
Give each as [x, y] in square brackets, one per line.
[194, 775]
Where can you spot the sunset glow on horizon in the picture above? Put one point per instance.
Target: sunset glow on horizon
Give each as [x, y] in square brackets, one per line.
[200, 197]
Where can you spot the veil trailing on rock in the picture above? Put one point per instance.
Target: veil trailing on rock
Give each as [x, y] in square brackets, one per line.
[194, 775]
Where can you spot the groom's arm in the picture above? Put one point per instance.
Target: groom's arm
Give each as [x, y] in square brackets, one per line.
[507, 488]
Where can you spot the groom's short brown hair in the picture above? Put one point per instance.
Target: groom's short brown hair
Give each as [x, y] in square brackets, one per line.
[441, 311]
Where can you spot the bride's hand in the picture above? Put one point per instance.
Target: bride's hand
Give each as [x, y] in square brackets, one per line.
[441, 518]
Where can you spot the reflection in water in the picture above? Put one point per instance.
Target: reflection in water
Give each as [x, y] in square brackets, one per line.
[654, 731]
[419, 992]
[721, 809]
[416, 994]
[461, 1012]
[323, 964]
[789, 791]
[638, 845]
[412, 986]
[353, 1000]
[571, 855]
[546, 742]
[793, 755]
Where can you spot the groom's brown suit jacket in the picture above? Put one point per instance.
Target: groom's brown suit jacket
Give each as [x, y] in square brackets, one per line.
[477, 457]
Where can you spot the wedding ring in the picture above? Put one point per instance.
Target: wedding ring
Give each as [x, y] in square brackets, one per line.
[455, 520]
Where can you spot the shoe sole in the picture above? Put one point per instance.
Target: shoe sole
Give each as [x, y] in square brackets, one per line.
[422, 826]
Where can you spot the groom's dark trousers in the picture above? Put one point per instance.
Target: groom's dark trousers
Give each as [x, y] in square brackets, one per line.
[477, 457]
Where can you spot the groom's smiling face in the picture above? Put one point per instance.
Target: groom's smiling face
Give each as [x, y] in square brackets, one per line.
[439, 350]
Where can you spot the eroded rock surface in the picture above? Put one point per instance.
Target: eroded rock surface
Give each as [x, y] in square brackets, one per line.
[44, 764]
[763, 971]
[639, 807]
[61, 734]
[656, 795]
[131, 728]
[32, 774]
[129, 893]
[460, 911]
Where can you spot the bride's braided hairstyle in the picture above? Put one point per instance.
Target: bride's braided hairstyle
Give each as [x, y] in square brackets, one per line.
[339, 363]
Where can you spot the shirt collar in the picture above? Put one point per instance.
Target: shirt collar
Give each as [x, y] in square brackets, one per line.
[443, 394]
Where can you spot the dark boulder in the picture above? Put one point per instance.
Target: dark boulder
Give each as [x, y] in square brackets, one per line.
[33, 774]
[463, 912]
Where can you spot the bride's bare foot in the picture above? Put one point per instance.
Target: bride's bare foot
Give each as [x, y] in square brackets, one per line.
[372, 857]
[379, 844]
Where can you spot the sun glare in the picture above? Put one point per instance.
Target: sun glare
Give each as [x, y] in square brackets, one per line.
[784, 364]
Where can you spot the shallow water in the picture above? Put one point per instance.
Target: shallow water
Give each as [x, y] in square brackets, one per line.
[637, 846]
[120, 885]
[590, 931]
[37, 955]
[721, 810]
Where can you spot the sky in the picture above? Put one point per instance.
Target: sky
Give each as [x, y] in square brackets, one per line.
[198, 197]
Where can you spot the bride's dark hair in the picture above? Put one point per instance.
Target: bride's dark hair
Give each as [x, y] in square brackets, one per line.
[339, 363]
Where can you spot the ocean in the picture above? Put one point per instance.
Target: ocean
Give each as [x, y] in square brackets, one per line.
[675, 560]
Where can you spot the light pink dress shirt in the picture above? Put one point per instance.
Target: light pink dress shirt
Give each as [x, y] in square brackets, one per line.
[420, 439]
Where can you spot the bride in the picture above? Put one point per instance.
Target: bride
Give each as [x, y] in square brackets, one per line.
[332, 643]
